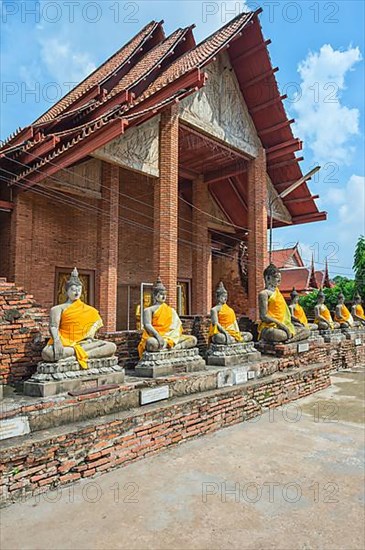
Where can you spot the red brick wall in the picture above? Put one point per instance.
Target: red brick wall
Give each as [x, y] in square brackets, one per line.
[107, 246]
[5, 219]
[202, 255]
[23, 329]
[166, 203]
[46, 461]
[185, 251]
[227, 270]
[47, 234]
[257, 225]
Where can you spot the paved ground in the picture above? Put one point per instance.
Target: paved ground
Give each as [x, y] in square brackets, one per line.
[292, 479]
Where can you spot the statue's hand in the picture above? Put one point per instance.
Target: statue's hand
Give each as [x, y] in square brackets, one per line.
[58, 350]
[286, 330]
[161, 342]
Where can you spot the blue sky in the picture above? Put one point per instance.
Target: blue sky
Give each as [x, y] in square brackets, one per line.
[48, 46]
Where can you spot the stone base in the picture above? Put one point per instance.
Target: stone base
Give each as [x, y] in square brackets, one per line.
[290, 348]
[165, 362]
[221, 355]
[353, 333]
[66, 375]
[332, 336]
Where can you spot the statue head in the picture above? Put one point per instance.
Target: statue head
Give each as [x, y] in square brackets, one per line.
[221, 294]
[73, 286]
[294, 296]
[272, 276]
[341, 298]
[357, 298]
[159, 292]
[321, 297]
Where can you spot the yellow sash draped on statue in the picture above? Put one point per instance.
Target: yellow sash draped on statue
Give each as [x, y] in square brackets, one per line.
[277, 309]
[360, 311]
[78, 322]
[167, 323]
[227, 319]
[346, 316]
[299, 314]
[325, 312]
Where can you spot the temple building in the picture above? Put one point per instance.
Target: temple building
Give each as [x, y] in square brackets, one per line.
[294, 274]
[161, 162]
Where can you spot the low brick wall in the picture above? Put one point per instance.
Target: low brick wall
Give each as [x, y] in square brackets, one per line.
[346, 355]
[47, 459]
[23, 330]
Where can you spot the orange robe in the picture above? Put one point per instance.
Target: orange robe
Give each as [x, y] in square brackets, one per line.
[277, 309]
[227, 319]
[299, 314]
[360, 311]
[167, 323]
[346, 316]
[325, 312]
[78, 322]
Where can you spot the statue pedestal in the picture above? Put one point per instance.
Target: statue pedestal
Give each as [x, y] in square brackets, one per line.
[352, 333]
[221, 355]
[332, 336]
[66, 375]
[165, 362]
[291, 348]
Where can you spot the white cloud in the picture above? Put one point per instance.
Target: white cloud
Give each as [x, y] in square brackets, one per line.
[322, 120]
[63, 62]
[352, 211]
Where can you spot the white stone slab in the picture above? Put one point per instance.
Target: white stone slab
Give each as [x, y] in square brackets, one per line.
[358, 342]
[225, 378]
[154, 394]
[240, 376]
[303, 347]
[13, 427]
[251, 374]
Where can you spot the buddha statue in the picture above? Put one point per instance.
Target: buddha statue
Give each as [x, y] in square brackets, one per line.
[162, 325]
[342, 314]
[73, 326]
[224, 327]
[322, 314]
[357, 311]
[146, 303]
[298, 316]
[276, 325]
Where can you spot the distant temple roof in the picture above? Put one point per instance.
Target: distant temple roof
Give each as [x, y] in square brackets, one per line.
[287, 257]
[303, 279]
[139, 81]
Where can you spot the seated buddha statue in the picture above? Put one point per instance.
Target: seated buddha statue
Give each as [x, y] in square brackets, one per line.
[357, 311]
[298, 316]
[322, 314]
[275, 318]
[342, 314]
[224, 327]
[162, 325]
[73, 326]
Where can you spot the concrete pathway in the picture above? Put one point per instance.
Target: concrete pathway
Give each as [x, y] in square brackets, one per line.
[292, 479]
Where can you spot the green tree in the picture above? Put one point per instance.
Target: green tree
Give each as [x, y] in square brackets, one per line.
[359, 265]
[343, 284]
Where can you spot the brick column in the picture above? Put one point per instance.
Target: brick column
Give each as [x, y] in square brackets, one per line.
[21, 228]
[202, 254]
[107, 266]
[166, 204]
[257, 225]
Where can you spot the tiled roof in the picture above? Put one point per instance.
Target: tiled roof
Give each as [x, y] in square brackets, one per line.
[297, 277]
[281, 257]
[107, 68]
[158, 70]
[203, 52]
